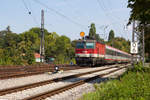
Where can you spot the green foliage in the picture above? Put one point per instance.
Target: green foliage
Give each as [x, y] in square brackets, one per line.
[111, 35]
[92, 32]
[19, 49]
[73, 43]
[30, 57]
[93, 35]
[97, 37]
[132, 86]
[140, 11]
[120, 43]
[147, 43]
[138, 67]
[64, 49]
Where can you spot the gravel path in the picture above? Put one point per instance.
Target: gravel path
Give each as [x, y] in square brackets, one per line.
[48, 87]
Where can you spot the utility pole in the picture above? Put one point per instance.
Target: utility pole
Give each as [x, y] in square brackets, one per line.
[143, 52]
[42, 51]
[133, 37]
[133, 30]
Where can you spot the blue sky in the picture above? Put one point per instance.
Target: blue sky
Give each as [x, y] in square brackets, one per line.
[106, 14]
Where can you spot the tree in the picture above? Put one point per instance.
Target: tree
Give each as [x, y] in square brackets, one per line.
[17, 49]
[120, 43]
[92, 33]
[97, 37]
[2, 41]
[147, 43]
[111, 35]
[6, 33]
[9, 47]
[50, 45]
[73, 43]
[8, 29]
[63, 46]
[140, 11]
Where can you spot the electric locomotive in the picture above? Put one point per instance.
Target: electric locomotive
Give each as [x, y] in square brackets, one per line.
[91, 52]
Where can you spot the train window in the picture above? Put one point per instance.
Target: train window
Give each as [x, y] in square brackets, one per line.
[90, 45]
[80, 45]
[107, 51]
[111, 52]
[117, 54]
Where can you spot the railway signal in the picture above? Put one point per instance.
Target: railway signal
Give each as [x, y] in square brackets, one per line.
[134, 48]
[82, 34]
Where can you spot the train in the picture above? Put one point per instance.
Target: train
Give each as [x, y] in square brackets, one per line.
[91, 52]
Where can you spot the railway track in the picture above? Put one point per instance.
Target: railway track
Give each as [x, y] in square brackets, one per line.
[58, 90]
[21, 71]
[16, 72]
[65, 88]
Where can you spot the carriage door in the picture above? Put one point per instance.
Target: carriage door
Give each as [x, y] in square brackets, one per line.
[98, 52]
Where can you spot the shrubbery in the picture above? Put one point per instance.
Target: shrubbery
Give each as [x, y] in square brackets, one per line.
[134, 85]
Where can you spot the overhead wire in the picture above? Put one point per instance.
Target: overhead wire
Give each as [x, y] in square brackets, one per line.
[60, 14]
[68, 5]
[116, 18]
[112, 16]
[74, 12]
[26, 6]
[109, 3]
[103, 7]
[34, 18]
[30, 12]
[107, 8]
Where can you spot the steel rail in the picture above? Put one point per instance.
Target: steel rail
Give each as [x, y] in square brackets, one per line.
[24, 73]
[33, 85]
[67, 87]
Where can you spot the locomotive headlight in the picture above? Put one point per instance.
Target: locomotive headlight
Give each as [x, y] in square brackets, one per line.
[84, 51]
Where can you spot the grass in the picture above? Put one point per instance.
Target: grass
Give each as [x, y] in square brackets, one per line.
[133, 85]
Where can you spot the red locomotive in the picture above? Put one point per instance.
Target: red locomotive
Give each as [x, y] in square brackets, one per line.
[91, 52]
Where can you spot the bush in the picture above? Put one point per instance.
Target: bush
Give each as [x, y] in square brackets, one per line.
[134, 85]
[138, 67]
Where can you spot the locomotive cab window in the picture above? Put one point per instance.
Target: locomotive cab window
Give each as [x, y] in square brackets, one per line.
[80, 45]
[90, 45]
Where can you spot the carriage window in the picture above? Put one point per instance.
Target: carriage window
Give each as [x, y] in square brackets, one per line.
[90, 45]
[80, 45]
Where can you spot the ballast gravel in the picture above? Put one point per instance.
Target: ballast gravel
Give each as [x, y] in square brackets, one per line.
[8, 83]
[77, 92]
[33, 91]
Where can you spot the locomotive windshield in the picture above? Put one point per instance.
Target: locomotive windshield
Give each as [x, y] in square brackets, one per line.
[80, 45]
[87, 45]
[90, 45]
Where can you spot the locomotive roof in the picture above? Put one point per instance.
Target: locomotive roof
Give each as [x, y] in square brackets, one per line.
[90, 40]
[86, 40]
